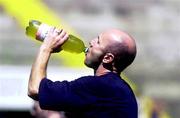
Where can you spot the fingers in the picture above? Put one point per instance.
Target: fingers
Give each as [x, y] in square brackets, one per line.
[60, 37]
[57, 31]
[60, 33]
[52, 29]
[63, 37]
[55, 39]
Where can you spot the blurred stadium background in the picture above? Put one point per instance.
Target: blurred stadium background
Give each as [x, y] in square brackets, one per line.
[155, 24]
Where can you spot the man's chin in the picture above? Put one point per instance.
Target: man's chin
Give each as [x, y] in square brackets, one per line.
[90, 65]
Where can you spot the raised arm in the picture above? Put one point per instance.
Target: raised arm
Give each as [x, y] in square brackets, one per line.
[52, 43]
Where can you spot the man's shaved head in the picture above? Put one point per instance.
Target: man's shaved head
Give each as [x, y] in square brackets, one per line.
[122, 46]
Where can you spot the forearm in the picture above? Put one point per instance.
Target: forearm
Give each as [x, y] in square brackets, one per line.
[51, 44]
[38, 71]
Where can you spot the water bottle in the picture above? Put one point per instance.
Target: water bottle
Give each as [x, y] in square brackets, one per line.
[39, 31]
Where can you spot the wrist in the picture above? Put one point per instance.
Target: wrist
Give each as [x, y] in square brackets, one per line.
[46, 49]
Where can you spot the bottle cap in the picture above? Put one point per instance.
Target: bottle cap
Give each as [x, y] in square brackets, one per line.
[86, 50]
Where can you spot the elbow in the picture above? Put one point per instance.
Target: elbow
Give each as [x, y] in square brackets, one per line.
[33, 93]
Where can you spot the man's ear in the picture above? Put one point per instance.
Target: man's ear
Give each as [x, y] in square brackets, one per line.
[108, 58]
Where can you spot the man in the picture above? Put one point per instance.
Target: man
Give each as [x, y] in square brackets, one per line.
[104, 95]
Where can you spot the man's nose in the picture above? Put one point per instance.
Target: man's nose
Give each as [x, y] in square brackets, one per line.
[91, 43]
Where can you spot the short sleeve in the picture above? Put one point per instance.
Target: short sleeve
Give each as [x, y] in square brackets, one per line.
[64, 95]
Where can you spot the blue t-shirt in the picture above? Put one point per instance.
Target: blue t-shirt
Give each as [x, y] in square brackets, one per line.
[106, 96]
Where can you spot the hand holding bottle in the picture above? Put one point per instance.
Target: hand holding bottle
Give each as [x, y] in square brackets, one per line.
[39, 31]
[55, 39]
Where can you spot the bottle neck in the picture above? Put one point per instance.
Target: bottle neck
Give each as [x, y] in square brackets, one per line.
[86, 49]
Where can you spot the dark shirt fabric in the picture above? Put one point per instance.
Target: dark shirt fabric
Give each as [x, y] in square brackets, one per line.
[106, 96]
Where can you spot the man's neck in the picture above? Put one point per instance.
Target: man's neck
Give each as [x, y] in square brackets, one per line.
[102, 71]
[99, 73]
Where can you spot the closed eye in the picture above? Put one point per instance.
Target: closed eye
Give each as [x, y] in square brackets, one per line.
[98, 40]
